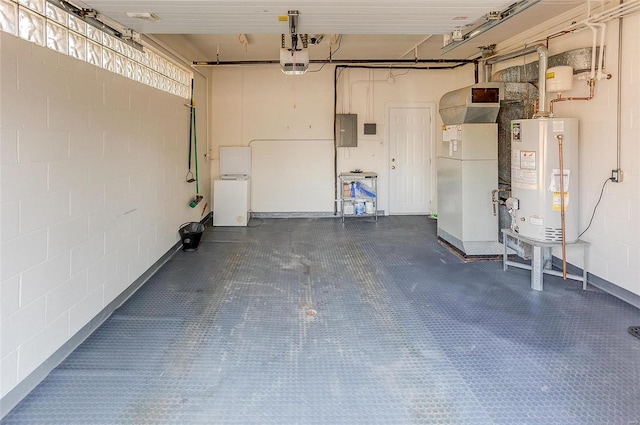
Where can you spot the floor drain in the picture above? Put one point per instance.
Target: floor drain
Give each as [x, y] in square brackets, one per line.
[635, 331]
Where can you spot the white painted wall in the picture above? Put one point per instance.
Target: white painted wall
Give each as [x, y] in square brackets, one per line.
[261, 103]
[614, 254]
[258, 105]
[92, 194]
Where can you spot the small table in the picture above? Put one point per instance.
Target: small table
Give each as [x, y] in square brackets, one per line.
[541, 261]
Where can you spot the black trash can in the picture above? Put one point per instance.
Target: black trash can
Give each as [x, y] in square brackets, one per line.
[190, 233]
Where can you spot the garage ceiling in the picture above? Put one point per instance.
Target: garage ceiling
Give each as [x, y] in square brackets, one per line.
[242, 30]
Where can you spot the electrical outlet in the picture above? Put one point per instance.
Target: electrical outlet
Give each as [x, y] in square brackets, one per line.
[616, 176]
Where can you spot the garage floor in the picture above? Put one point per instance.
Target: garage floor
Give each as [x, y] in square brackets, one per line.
[309, 321]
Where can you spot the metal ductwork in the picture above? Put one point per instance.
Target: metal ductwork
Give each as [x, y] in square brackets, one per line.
[479, 103]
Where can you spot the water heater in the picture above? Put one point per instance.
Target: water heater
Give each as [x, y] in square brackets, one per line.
[536, 148]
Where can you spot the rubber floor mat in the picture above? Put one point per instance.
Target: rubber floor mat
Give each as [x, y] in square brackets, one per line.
[635, 331]
[312, 321]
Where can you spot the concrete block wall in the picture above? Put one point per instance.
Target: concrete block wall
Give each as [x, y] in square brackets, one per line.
[92, 194]
[614, 253]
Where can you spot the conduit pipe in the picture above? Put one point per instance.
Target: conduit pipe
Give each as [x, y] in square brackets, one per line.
[619, 102]
[446, 63]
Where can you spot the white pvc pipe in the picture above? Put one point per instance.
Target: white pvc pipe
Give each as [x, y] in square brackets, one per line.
[619, 11]
[603, 30]
[593, 50]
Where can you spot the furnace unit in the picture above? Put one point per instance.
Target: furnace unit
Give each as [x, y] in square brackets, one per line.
[468, 169]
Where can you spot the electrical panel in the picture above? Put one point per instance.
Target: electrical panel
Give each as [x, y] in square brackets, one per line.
[346, 130]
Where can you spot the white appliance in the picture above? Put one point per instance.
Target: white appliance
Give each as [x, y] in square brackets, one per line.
[467, 173]
[231, 192]
[468, 169]
[535, 177]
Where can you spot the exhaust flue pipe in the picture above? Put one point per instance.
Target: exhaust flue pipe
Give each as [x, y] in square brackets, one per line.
[543, 54]
[543, 65]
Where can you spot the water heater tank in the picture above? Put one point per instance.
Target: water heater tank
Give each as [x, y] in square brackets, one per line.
[559, 79]
[535, 177]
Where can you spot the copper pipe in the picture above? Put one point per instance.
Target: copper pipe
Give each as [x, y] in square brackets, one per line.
[592, 86]
[560, 138]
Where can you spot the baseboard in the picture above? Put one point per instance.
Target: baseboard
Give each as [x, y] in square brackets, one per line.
[20, 391]
[208, 217]
[319, 214]
[602, 284]
[293, 215]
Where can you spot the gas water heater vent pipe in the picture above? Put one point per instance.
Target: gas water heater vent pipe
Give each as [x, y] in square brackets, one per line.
[543, 61]
[542, 81]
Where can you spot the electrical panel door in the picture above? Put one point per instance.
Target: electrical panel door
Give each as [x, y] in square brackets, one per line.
[346, 130]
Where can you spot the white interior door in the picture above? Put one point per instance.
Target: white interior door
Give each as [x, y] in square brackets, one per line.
[410, 160]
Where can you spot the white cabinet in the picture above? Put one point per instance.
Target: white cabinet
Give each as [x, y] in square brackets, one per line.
[231, 202]
[359, 195]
